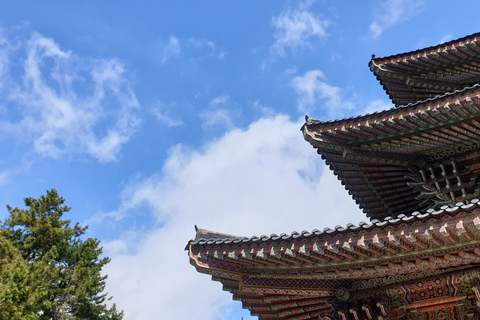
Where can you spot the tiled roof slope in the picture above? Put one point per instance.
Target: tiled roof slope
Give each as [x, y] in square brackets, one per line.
[429, 72]
[206, 237]
[406, 159]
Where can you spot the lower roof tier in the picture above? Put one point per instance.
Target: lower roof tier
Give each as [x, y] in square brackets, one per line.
[398, 161]
[422, 264]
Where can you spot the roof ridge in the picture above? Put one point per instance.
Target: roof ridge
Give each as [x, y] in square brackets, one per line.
[350, 226]
[311, 121]
[427, 49]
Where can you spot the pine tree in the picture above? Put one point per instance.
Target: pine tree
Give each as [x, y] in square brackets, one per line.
[47, 269]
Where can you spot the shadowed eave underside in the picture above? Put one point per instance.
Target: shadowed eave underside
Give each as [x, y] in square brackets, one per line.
[407, 159]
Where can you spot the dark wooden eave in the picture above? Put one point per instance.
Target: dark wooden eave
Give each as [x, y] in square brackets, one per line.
[406, 159]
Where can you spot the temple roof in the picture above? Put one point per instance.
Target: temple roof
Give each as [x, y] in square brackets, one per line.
[415, 171]
[299, 276]
[426, 73]
[406, 159]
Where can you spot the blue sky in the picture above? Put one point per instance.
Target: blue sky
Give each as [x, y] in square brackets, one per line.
[151, 117]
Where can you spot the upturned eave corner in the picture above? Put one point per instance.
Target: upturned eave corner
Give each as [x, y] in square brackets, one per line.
[194, 260]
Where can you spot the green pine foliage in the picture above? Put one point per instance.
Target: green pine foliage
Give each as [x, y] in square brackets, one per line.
[47, 270]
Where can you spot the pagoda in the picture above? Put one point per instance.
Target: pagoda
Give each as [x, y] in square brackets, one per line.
[414, 170]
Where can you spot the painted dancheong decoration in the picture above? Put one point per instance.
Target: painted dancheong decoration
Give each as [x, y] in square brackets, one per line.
[414, 170]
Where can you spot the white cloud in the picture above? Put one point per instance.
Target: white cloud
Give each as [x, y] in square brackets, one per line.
[164, 117]
[4, 176]
[296, 28]
[377, 106]
[171, 49]
[427, 42]
[115, 247]
[7, 176]
[192, 46]
[375, 30]
[262, 180]
[219, 100]
[195, 42]
[312, 87]
[217, 118]
[218, 114]
[394, 11]
[265, 111]
[447, 37]
[4, 61]
[55, 117]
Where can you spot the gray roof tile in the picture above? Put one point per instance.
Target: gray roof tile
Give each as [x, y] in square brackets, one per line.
[204, 236]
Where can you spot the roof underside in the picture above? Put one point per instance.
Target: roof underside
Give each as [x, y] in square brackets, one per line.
[406, 159]
[427, 73]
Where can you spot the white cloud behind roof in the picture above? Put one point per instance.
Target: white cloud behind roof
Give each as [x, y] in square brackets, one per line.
[261, 180]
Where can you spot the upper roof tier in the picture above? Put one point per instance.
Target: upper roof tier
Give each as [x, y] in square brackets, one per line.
[406, 159]
[426, 73]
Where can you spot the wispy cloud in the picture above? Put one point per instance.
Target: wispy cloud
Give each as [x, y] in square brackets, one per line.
[218, 114]
[4, 59]
[265, 111]
[296, 28]
[9, 175]
[447, 37]
[427, 42]
[394, 11]
[68, 104]
[217, 118]
[242, 183]
[377, 106]
[171, 49]
[311, 88]
[175, 47]
[164, 117]
[4, 177]
[219, 100]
